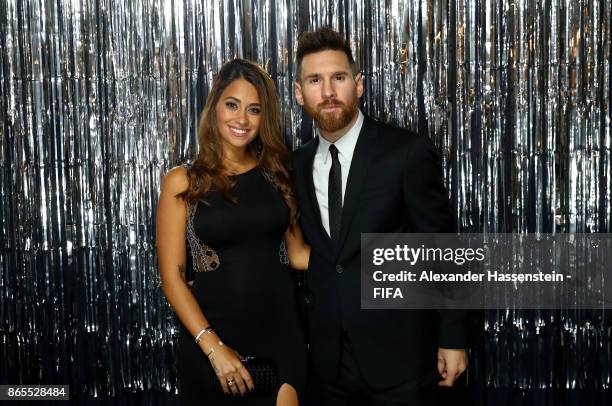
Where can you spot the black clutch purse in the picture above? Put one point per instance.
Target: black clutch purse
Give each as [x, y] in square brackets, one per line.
[263, 372]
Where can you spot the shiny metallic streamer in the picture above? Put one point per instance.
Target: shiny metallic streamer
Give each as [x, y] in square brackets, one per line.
[99, 99]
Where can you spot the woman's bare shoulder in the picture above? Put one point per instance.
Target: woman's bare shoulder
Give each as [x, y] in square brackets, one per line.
[176, 180]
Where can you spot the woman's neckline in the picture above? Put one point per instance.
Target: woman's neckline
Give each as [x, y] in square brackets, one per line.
[244, 173]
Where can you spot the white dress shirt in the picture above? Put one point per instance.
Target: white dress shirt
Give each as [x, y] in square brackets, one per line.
[322, 165]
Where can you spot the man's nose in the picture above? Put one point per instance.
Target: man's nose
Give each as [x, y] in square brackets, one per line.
[327, 90]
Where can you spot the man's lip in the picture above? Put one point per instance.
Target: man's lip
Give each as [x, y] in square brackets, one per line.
[330, 107]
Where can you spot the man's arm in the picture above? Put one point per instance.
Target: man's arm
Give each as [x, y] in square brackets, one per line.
[429, 211]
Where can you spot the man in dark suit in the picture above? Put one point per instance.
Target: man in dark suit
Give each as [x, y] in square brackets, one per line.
[362, 176]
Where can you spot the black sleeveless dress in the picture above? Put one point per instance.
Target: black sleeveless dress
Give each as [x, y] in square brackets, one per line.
[244, 288]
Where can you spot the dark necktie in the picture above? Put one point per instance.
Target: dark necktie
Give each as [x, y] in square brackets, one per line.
[334, 194]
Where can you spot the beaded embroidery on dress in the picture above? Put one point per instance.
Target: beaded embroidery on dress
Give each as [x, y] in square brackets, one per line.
[282, 251]
[204, 258]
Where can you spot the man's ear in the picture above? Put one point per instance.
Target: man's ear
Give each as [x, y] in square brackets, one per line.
[359, 82]
[298, 93]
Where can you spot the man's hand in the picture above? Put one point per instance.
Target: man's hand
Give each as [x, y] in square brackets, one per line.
[451, 363]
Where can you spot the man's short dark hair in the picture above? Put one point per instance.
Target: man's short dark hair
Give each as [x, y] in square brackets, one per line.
[323, 39]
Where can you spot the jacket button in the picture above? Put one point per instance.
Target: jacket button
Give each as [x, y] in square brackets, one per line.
[339, 269]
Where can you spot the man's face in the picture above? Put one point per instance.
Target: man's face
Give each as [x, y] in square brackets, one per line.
[328, 91]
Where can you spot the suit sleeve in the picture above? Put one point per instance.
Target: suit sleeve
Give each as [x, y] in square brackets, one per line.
[429, 211]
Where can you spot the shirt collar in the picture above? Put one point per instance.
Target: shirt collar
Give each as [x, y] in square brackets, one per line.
[346, 143]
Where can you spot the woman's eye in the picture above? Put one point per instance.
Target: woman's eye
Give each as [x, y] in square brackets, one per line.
[255, 110]
[231, 105]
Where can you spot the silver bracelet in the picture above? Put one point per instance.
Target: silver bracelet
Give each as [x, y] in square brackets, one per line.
[205, 330]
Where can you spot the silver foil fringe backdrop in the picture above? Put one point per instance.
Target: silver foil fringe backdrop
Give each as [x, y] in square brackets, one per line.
[100, 98]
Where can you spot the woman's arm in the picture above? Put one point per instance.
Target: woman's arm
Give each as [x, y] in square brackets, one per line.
[297, 250]
[171, 252]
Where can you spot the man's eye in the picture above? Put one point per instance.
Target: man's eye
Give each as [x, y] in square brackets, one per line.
[340, 78]
[314, 80]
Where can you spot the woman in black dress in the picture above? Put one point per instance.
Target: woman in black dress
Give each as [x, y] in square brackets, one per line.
[231, 217]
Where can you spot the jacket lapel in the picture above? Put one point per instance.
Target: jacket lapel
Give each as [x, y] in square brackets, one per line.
[362, 157]
[310, 151]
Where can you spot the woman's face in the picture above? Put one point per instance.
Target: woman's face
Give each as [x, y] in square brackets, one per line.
[238, 114]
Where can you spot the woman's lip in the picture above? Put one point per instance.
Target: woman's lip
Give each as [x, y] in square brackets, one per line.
[238, 131]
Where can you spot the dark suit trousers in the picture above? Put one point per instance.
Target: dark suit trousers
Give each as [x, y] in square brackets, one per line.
[350, 389]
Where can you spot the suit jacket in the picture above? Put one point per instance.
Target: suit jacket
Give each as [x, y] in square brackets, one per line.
[394, 185]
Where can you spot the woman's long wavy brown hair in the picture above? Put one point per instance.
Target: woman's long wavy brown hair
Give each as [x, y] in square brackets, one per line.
[207, 171]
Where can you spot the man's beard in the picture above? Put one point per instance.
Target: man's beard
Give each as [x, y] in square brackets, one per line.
[333, 120]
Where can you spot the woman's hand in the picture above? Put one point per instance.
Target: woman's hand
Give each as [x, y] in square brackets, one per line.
[297, 250]
[232, 375]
